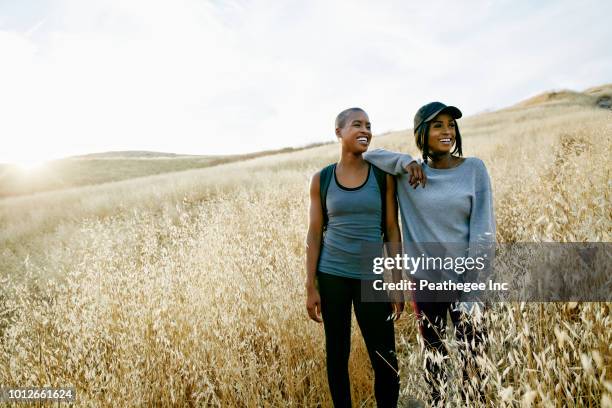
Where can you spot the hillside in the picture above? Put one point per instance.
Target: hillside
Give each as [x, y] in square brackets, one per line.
[151, 183]
[599, 96]
[105, 167]
[136, 154]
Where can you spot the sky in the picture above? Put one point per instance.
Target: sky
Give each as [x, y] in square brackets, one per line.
[225, 77]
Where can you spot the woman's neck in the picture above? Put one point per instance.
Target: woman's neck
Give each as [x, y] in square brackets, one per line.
[443, 161]
[352, 160]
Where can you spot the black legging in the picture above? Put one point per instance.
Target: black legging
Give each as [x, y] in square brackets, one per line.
[432, 325]
[337, 295]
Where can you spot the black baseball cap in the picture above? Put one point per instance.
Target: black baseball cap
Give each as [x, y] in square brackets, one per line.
[433, 109]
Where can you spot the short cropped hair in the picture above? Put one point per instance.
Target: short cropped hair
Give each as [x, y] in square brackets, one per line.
[344, 115]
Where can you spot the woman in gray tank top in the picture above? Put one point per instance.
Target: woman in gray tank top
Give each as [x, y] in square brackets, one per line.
[353, 208]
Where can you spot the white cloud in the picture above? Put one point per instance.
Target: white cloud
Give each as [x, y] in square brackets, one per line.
[227, 77]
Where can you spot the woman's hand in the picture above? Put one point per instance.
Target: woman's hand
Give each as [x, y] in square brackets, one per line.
[417, 175]
[313, 303]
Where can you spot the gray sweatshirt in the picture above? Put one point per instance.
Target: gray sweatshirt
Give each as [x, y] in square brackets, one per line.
[456, 205]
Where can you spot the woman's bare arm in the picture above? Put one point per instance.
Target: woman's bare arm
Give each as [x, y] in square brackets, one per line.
[313, 248]
[394, 240]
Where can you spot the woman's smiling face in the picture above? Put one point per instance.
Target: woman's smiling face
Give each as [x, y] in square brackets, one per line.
[356, 132]
[441, 134]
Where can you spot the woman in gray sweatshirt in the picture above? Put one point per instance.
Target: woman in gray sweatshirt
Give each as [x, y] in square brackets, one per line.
[454, 212]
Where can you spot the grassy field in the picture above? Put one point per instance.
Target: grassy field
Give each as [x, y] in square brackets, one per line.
[187, 288]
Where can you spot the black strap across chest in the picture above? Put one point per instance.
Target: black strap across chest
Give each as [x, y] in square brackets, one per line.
[325, 179]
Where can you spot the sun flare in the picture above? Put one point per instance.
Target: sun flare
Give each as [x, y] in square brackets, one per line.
[29, 165]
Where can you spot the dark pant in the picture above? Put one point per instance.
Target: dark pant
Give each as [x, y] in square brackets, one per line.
[432, 325]
[337, 296]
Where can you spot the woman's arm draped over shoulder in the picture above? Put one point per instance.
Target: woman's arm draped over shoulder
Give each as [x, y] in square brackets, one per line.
[390, 162]
[313, 248]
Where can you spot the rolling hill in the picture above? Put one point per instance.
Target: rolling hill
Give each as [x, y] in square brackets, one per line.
[105, 167]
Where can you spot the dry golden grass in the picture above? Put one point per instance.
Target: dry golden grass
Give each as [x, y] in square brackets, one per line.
[185, 289]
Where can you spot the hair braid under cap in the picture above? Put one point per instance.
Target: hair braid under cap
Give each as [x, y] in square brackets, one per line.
[420, 134]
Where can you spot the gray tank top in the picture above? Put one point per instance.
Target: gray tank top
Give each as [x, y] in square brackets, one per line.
[354, 217]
